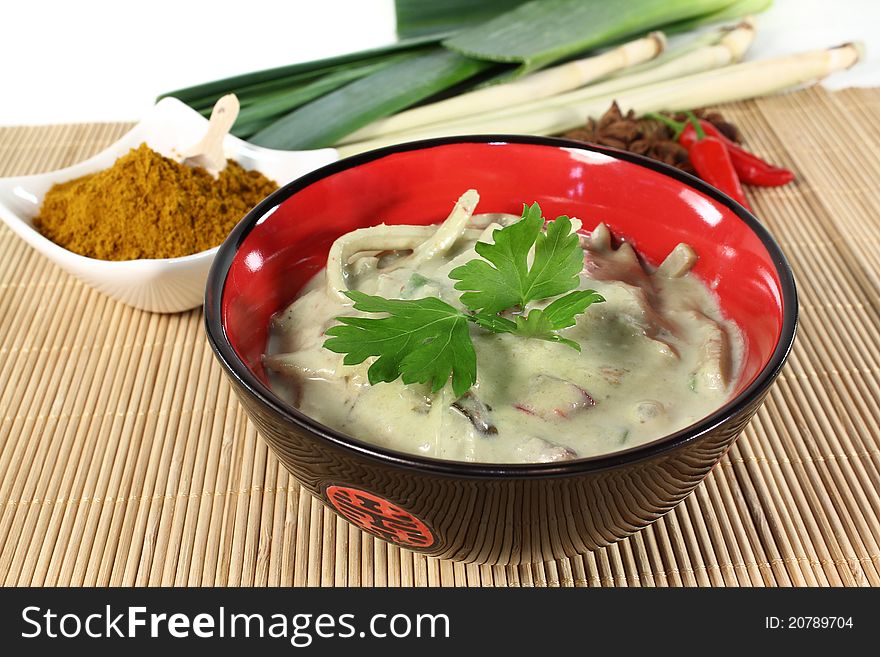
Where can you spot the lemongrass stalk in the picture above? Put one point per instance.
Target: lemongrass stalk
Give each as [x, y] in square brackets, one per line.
[731, 83]
[543, 84]
[673, 51]
[732, 44]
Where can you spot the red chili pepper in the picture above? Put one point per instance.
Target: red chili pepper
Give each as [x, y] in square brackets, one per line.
[750, 168]
[711, 159]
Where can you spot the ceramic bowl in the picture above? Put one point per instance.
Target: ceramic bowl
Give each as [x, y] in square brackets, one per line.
[160, 285]
[490, 513]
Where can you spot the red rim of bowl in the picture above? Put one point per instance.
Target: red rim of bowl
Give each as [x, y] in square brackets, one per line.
[245, 377]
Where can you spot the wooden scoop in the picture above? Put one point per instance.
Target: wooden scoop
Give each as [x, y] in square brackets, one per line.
[208, 152]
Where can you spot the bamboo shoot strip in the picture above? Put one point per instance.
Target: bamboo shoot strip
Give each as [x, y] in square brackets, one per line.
[421, 17]
[541, 32]
[731, 83]
[324, 121]
[217, 88]
[543, 84]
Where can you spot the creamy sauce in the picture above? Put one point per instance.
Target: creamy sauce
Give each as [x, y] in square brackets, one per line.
[656, 357]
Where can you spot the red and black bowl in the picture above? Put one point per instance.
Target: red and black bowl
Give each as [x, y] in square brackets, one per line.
[490, 513]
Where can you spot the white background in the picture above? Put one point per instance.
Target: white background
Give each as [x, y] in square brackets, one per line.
[88, 60]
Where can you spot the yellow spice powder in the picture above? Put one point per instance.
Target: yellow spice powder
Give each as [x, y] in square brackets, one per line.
[149, 206]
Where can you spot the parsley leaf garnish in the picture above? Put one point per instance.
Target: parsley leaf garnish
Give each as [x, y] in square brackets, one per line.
[542, 324]
[420, 341]
[428, 341]
[506, 280]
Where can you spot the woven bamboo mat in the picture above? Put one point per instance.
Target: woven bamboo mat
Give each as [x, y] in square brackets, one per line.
[125, 460]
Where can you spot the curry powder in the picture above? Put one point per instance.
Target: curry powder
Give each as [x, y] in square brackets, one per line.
[149, 206]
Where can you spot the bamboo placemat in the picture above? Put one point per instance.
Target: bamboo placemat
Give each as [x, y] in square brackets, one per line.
[125, 460]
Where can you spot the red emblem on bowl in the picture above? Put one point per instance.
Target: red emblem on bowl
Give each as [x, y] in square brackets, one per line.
[380, 517]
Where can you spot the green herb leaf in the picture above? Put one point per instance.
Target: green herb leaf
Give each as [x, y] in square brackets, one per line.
[494, 323]
[538, 326]
[542, 324]
[511, 282]
[559, 260]
[421, 341]
[502, 286]
[427, 340]
[562, 312]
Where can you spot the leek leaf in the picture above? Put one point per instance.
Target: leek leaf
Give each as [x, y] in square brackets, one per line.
[738, 9]
[541, 32]
[217, 88]
[284, 101]
[421, 17]
[327, 119]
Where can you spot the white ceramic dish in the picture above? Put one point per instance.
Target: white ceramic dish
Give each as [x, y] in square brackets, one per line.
[163, 285]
